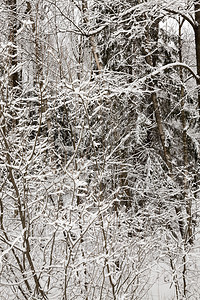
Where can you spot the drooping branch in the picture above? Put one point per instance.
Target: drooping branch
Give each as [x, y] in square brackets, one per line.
[171, 66]
[179, 13]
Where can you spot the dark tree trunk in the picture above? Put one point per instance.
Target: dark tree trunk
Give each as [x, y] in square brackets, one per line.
[12, 27]
[197, 43]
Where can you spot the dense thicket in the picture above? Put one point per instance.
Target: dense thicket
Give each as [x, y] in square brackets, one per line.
[99, 149]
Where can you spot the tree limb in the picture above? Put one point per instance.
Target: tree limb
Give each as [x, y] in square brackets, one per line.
[185, 17]
[169, 66]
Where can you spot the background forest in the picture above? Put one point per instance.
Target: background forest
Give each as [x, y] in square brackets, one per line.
[99, 149]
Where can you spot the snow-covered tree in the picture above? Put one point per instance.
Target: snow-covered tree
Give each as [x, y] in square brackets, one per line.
[99, 148]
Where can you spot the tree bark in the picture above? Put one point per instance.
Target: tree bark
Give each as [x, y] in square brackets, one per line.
[197, 43]
[91, 38]
[12, 27]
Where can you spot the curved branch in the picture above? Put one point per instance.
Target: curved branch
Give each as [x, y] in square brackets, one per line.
[185, 17]
[172, 65]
